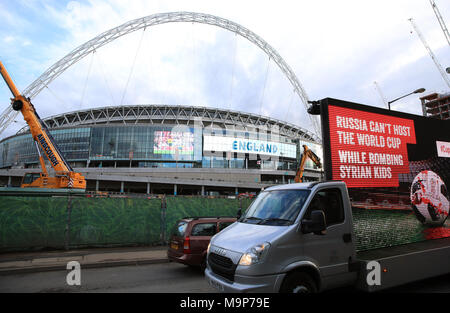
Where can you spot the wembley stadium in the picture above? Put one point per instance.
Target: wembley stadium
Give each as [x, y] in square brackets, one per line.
[162, 149]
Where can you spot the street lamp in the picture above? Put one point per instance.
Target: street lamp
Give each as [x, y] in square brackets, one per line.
[420, 90]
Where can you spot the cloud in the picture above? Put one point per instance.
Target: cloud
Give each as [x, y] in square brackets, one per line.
[9, 39]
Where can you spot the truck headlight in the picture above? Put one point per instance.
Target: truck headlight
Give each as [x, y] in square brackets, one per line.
[255, 254]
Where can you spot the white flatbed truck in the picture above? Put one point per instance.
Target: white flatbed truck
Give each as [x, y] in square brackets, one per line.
[302, 238]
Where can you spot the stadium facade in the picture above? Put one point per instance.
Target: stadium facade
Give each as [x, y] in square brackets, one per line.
[168, 149]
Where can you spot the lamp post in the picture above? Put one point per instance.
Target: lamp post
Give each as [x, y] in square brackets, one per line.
[420, 90]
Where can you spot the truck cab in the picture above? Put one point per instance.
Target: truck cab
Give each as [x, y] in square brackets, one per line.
[293, 238]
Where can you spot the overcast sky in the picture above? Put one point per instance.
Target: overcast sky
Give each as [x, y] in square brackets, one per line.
[335, 48]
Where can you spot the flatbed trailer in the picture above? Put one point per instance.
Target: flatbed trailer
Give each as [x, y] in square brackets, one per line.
[405, 263]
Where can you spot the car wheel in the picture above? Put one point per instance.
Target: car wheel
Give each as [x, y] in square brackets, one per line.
[298, 282]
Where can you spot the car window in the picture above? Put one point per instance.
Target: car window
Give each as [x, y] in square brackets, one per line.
[330, 201]
[179, 229]
[224, 225]
[204, 229]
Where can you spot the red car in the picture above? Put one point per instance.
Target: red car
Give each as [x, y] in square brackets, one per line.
[190, 238]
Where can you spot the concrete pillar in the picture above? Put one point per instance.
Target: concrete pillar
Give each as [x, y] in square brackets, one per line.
[97, 184]
[148, 188]
[122, 186]
[236, 190]
[424, 109]
[175, 189]
[283, 180]
[203, 190]
[9, 180]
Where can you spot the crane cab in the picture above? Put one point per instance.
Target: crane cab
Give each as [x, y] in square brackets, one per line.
[61, 181]
[29, 178]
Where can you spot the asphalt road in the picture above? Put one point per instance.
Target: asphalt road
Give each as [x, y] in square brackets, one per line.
[166, 277]
[153, 278]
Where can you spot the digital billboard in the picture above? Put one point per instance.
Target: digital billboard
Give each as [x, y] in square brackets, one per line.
[369, 149]
[173, 142]
[390, 161]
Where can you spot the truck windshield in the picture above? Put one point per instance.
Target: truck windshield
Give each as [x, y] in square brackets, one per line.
[278, 207]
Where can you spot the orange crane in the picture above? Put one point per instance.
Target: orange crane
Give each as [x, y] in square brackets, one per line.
[307, 153]
[65, 177]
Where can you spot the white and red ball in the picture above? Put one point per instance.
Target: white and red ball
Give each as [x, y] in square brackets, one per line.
[429, 198]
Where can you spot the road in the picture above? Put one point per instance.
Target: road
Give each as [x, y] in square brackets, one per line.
[166, 277]
[153, 278]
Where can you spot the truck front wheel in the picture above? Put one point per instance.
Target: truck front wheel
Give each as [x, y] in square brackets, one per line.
[298, 282]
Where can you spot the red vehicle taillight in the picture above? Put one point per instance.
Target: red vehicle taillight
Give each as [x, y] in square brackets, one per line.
[187, 245]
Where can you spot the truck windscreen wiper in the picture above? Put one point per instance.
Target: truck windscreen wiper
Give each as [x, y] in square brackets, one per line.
[275, 219]
[252, 218]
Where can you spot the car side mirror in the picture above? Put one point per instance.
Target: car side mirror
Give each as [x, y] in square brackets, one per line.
[239, 214]
[317, 224]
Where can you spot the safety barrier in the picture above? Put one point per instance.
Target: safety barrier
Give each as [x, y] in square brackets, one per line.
[67, 222]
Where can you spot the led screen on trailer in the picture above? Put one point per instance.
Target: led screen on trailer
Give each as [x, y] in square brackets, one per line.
[390, 161]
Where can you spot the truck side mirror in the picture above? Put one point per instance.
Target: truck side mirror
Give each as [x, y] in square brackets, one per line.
[239, 214]
[316, 224]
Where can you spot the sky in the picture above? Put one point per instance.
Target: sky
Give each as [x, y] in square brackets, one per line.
[335, 48]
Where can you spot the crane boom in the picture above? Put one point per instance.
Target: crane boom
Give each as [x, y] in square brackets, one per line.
[436, 62]
[440, 20]
[65, 176]
[381, 94]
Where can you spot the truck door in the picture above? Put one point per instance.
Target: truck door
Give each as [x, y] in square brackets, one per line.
[331, 250]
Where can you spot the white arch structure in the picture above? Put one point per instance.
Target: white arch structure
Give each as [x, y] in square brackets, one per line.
[156, 19]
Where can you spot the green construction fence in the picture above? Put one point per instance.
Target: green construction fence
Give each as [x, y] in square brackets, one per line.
[32, 223]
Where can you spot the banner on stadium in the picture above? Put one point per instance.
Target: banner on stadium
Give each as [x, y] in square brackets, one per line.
[250, 146]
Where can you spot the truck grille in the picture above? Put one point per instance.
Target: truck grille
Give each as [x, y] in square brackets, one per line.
[222, 266]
